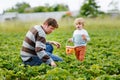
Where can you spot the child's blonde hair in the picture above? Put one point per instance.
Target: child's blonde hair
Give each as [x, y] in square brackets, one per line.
[79, 21]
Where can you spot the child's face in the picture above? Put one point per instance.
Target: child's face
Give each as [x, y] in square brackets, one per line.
[79, 26]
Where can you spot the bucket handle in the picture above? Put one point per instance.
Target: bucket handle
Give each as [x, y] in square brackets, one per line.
[67, 43]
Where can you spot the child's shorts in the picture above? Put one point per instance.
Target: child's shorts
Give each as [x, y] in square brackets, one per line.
[80, 52]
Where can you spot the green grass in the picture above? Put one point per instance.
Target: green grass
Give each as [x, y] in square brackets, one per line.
[102, 61]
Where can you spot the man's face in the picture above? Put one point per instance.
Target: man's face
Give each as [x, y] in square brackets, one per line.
[49, 29]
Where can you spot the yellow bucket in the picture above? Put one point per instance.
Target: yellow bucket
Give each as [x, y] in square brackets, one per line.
[69, 50]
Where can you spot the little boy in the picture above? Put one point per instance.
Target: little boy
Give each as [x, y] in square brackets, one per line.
[80, 39]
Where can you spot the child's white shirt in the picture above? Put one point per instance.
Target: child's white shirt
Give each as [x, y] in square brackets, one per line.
[77, 37]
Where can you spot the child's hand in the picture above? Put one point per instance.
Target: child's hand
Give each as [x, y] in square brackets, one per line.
[70, 40]
[84, 37]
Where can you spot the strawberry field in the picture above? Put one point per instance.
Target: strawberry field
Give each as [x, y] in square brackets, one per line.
[102, 60]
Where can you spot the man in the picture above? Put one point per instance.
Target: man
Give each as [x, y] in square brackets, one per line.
[35, 50]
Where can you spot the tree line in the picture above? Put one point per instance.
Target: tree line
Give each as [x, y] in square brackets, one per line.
[26, 8]
[88, 9]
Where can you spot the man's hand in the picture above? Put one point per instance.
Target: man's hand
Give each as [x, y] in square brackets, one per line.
[55, 43]
[53, 64]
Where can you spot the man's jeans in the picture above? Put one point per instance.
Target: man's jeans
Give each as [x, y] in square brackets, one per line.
[36, 61]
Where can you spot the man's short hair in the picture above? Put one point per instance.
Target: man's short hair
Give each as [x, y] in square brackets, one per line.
[51, 22]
